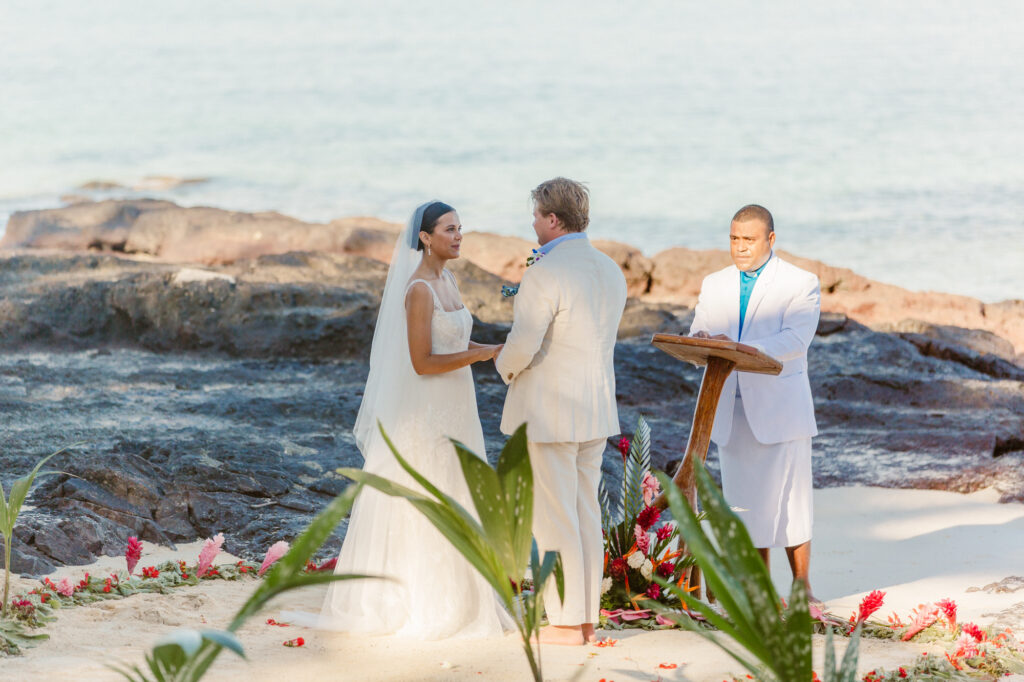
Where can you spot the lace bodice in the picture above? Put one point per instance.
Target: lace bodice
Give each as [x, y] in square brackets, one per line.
[449, 329]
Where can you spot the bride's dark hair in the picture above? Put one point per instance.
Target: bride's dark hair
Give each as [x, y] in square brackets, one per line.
[430, 216]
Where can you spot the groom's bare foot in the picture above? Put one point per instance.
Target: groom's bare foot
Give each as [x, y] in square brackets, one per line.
[589, 633]
[561, 635]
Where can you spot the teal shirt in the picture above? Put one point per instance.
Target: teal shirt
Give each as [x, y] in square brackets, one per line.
[747, 282]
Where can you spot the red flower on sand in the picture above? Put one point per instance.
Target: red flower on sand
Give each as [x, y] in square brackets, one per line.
[666, 568]
[617, 569]
[648, 517]
[133, 553]
[948, 607]
[869, 604]
[624, 447]
[298, 641]
[974, 631]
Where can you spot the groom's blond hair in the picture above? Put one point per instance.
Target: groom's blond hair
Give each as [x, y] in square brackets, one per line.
[567, 199]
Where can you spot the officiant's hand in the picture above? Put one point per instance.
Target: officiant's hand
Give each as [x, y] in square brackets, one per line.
[717, 337]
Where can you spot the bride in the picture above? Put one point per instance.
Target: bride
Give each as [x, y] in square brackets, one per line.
[421, 389]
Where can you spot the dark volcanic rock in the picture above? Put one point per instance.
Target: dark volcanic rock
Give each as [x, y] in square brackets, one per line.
[311, 305]
[175, 447]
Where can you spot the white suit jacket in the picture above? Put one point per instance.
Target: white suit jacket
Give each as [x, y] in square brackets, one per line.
[781, 319]
[557, 359]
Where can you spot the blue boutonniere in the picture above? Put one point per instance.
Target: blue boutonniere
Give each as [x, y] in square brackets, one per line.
[509, 291]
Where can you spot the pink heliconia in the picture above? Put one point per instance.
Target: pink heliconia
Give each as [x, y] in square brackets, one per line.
[65, 587]
[207, 554]
[651, 488]
[276, 551]
[133, 553]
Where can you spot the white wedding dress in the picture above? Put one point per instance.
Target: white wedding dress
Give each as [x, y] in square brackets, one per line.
[436, 593]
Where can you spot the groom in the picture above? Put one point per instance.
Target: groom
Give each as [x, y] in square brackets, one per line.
[557, 361]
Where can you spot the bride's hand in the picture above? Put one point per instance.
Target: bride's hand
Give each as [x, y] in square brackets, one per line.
[487, 353]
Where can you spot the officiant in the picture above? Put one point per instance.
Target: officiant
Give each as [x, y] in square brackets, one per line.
[763, 423]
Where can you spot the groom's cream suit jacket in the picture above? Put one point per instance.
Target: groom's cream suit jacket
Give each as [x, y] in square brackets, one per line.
[558, 356]
[781, 319]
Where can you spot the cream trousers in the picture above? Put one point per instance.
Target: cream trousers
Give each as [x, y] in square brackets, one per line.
[567, 519]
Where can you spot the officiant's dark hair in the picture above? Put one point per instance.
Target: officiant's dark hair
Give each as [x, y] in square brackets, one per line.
[755, 212]
[431, 214]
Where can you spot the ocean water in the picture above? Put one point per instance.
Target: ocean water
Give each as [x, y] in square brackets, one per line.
[887, 137]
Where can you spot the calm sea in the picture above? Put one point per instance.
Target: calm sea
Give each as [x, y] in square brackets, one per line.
[885, 136]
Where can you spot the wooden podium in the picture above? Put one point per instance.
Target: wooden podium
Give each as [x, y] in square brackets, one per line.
[719, 358]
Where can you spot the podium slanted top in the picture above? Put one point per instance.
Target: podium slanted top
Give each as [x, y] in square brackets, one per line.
[698, 351]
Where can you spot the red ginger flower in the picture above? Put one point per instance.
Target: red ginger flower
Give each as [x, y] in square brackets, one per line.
[654, 590]
[665, 531]
[948, 607]
[617, 568]
[974, 631]
[133, 553]
[666, 568]
[869, 604]
[648, 517]
[624, 447]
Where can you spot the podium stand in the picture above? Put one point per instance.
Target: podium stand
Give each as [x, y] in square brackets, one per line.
[719, 358]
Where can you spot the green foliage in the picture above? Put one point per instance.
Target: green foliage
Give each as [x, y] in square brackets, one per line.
[186, 655]
[10, 508]
[637, 464]
[14, 636]
[769, 639]
[500, 545]
[848, 670]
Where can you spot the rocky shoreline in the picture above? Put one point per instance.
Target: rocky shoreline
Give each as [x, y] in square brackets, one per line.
[212, 363]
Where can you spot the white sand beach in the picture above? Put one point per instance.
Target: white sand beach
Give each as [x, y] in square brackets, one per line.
[916, 545]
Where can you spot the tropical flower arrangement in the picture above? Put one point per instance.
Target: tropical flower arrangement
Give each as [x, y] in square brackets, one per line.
[638, 544]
